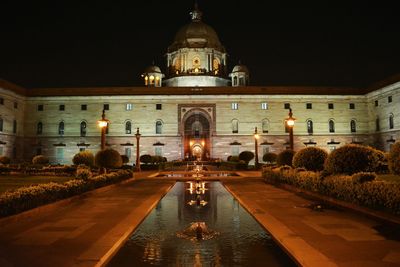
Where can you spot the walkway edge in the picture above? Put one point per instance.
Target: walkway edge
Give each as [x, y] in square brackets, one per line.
[60, 203]
[121, 241]
[291, 243]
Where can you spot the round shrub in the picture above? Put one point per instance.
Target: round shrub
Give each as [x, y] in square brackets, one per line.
[311, 158]
[125, 159]
[156, 159]
[84, 157]
[146, 159]
[108, 158]
[352, 158]
[246, 156]
[40, 159]
[270, 157]
[362, 177]
[394, 159]
[233, 158]
[4, 160]
[285, 157]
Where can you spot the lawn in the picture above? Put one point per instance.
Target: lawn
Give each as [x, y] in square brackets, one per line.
[11, 182]
[389, 178]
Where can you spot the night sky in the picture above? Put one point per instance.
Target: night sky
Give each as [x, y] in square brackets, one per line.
[109, 43]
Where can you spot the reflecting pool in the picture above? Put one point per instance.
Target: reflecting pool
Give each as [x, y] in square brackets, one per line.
[200, 224]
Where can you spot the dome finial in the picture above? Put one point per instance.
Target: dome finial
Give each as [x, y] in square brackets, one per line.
[196, 13]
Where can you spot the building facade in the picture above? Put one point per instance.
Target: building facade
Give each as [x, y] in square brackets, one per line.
[196, 108]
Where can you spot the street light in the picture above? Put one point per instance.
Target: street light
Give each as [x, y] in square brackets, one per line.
[256, 136]
[290, 123]
[137, 150]
[103, 123]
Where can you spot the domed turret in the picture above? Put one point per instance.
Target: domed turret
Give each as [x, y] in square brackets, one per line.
[152, 76]
[239, 75]
[196, 56]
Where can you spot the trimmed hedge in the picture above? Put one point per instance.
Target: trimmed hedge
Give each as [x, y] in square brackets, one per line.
[394, 158]
[26, 198]
[40, 159]
[108, 158]
[377, 195]
[270, 157]
[84, 157]
[285, 157]
[5, 160]
[310, 158]
[351, 159]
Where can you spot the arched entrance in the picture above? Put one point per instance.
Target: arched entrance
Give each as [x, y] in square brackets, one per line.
[196, 135]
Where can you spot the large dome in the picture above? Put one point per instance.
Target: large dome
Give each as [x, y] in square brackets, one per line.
[196, 34]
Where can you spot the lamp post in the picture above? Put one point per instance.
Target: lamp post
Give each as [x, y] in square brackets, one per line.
[256, 136]
[137, 150]
[290, 123]
[103, 123]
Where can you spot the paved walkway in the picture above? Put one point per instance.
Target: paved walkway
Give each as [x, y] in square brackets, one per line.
[84, 230]
[318, 238]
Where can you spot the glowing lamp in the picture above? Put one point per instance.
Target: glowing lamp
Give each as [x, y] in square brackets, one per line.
[290, 122]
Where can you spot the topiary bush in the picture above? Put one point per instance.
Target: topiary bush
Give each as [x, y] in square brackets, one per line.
[146, 159]
[40, 160]
[125, 159]
[311, 158]
[394, 159]
[362, 177]
[156, 159]
[4, 160]
[352, 158]
[246, 156]
[270, 157]
[84, 157]
[108, 158]
[285, 157]
[233, 158]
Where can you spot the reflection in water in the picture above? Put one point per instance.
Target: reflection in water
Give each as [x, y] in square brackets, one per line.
[229, 235]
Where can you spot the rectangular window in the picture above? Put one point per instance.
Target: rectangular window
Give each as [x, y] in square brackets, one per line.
[286, 105]
[235, 150]
[158, 106]
[376, 103]
[106, 106]
[158, 151]
[60, 154]
[264, 105]
[309, 105]
[15, 105]
[330, 105]
[40, 107]
[15, 126]
[234, 105]
[1, 101]
[128, 152]
[390, 99]
[352, 106]
[129, 106]
[84, 107]
[61, 107]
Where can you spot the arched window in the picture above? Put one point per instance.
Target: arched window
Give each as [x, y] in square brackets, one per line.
[61, 128]
[310, 127]
[159, 127]
[39, 128]
[83, 128]
[391, 121]
[1, 124]
[331, 126]
[377, 124]
[265, 125]
[353, 126]
[128, 127]
[235, 126]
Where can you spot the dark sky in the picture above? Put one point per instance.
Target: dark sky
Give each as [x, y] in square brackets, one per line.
[109, 43]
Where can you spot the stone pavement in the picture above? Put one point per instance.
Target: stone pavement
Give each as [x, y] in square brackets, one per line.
[84, 230]
[331, 237]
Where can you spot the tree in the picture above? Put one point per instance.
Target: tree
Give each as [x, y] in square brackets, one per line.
[246, 156]
[85, 158]
[285, 157]
[310, 158]
[108, 158]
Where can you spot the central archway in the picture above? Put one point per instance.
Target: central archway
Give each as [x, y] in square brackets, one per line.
[196, 135]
